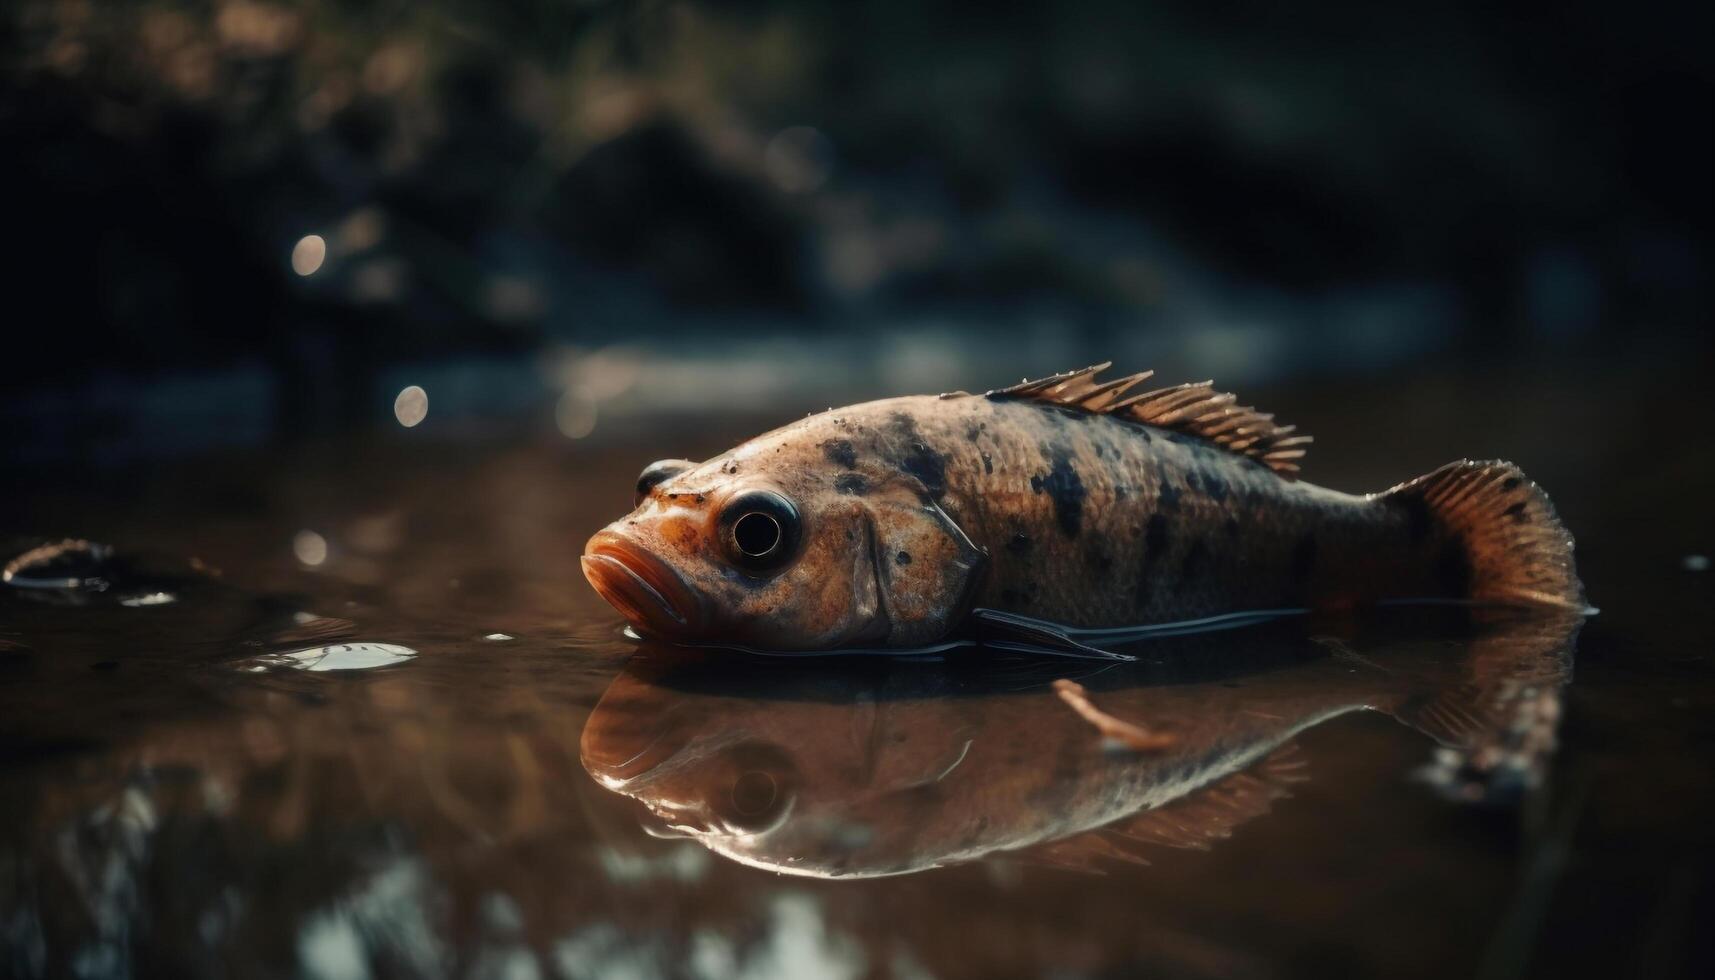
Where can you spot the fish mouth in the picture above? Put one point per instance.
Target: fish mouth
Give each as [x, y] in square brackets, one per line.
[651, 596]
[624, 751]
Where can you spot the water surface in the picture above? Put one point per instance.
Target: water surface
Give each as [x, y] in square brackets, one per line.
[353, 712]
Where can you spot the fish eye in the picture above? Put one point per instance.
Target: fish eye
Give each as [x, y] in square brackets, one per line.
[756, 534]
[760, 530]
[754, 792]
[657, 473]
[755, 788]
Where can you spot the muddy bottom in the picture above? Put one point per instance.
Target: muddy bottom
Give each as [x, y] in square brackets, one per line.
[352, 711]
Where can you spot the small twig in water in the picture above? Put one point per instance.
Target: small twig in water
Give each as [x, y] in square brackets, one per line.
[1124, 732]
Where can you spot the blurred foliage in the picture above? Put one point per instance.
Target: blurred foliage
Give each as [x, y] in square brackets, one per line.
[491, 176]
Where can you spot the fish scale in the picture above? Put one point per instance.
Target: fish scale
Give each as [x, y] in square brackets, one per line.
[1244, 543]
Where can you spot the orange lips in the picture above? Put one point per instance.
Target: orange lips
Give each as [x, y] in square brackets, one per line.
[649, 594]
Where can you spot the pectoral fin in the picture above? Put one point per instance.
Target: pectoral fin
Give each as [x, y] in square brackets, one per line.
[1021, 634]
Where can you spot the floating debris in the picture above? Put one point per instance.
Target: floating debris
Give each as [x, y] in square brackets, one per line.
[149, 599]
[65, 565]
[338, 656]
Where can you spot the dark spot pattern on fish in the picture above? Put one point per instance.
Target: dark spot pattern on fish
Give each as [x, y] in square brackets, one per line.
[840, 451]
[988, 463]
[1418, 520]
[1191, 566]
[1453, 569]
[920, 459]
[1155, 536]
[1065, 488]
[851, 484]
[1169, 497]
[1304, 557]
[1154, 547]
[1517, 513]
[1019, 543]
[1099, 560]
[1215, 487]
[903, 558]
[928, 466]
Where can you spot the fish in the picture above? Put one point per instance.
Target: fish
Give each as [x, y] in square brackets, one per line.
[1043, 509]
[873, 767]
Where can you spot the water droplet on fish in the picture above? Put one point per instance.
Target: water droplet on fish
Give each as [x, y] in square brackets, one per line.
[499, 637]
[337, 656]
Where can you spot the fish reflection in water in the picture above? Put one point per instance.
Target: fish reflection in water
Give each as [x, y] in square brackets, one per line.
[880, 768]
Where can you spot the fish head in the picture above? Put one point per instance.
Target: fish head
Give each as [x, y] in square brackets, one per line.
[773, 546]
[809, 779]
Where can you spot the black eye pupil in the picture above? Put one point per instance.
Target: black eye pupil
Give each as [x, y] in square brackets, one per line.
[760, 532]
[754, 793]
[756, 534]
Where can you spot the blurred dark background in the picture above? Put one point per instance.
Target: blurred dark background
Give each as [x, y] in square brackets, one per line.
[235, 224]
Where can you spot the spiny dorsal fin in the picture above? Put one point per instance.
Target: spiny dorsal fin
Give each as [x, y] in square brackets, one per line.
[1195, 409]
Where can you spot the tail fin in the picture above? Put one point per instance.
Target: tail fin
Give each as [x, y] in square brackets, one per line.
[1512, 541]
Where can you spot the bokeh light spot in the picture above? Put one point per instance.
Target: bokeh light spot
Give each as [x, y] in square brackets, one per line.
[575, 416]
[309, 254]
[412, 406]
[310, 547]
[798, 159]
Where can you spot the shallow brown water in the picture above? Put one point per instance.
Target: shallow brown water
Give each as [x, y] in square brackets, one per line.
[183, 799]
